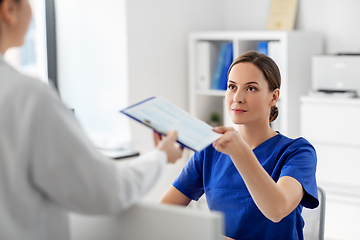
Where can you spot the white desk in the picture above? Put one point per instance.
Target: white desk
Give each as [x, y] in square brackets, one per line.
[120, 154]
[150, 222]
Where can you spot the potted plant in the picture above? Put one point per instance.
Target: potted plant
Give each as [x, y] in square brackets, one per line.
[214, 119]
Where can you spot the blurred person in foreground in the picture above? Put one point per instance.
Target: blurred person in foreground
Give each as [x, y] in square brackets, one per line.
[48, 166]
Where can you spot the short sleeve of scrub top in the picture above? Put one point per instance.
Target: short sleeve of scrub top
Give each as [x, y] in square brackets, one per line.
[301, 165]
[190, 181]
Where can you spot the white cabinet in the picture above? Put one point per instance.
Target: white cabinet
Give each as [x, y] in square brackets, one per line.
[293, 53]
[332, 125]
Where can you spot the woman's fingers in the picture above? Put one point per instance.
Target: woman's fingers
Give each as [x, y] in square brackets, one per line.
[172, 135]
[224, 143]
[157, 138]
[223, 129]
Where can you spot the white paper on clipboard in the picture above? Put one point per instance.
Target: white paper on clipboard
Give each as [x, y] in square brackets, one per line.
[161, 115]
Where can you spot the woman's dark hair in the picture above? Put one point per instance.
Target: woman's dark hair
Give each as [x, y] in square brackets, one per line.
[15, 1]
[269, 69]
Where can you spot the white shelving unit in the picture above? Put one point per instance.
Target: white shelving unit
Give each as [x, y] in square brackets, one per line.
[295, 49]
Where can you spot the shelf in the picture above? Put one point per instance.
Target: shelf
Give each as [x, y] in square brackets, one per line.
[331, 100]
[210, 92]
[242, 35]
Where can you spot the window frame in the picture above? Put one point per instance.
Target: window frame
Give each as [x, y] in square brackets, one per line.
[50, 18]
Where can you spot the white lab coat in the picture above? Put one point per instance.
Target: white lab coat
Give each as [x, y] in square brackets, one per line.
[49, 167]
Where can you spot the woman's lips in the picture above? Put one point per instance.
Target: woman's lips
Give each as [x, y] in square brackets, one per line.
[238, 110]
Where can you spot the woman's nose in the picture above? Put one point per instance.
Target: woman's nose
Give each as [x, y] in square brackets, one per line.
[238, 97]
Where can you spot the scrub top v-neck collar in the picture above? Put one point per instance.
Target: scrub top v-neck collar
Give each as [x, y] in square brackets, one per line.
[267, 141]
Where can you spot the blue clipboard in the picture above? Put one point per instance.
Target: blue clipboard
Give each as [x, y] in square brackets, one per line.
[158, 114]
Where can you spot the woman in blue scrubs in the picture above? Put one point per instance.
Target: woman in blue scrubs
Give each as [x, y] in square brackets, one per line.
[259, 178]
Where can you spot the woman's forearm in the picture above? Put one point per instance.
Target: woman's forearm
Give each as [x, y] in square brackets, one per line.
[274, 199]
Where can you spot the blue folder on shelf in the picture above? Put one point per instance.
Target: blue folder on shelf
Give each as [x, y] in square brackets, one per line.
[228, 58]
[216, 81]
[262, 47]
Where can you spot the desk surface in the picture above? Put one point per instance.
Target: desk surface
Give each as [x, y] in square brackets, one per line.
[119, 154]
[151, 222]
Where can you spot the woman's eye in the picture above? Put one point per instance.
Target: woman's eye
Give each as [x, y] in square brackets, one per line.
[251, 89]
[231, 87]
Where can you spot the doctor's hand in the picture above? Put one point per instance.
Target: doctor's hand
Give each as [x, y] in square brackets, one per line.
[169, 145]
[231, 141]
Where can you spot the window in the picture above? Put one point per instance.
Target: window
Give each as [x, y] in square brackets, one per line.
[92, 68]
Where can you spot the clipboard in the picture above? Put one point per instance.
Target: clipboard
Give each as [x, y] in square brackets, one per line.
[162, 116]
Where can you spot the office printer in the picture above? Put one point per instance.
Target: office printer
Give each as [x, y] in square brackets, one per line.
[338, 73]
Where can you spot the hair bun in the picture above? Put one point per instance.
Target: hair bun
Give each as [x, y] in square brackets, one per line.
[274, 113]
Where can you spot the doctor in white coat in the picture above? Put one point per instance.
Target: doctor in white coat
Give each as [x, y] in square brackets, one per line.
[47, 164]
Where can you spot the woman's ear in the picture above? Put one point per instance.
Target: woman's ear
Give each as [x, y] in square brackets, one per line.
[8, 11]
[275, 97]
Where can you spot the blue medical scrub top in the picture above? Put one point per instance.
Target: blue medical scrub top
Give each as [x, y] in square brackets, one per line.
[214, 174]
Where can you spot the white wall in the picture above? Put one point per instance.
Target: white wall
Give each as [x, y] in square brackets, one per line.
[245, 15]
[337, 20]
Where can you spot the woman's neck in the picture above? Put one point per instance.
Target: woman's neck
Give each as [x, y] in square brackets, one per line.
[5, 40]
[254, 135]
[3, 47]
